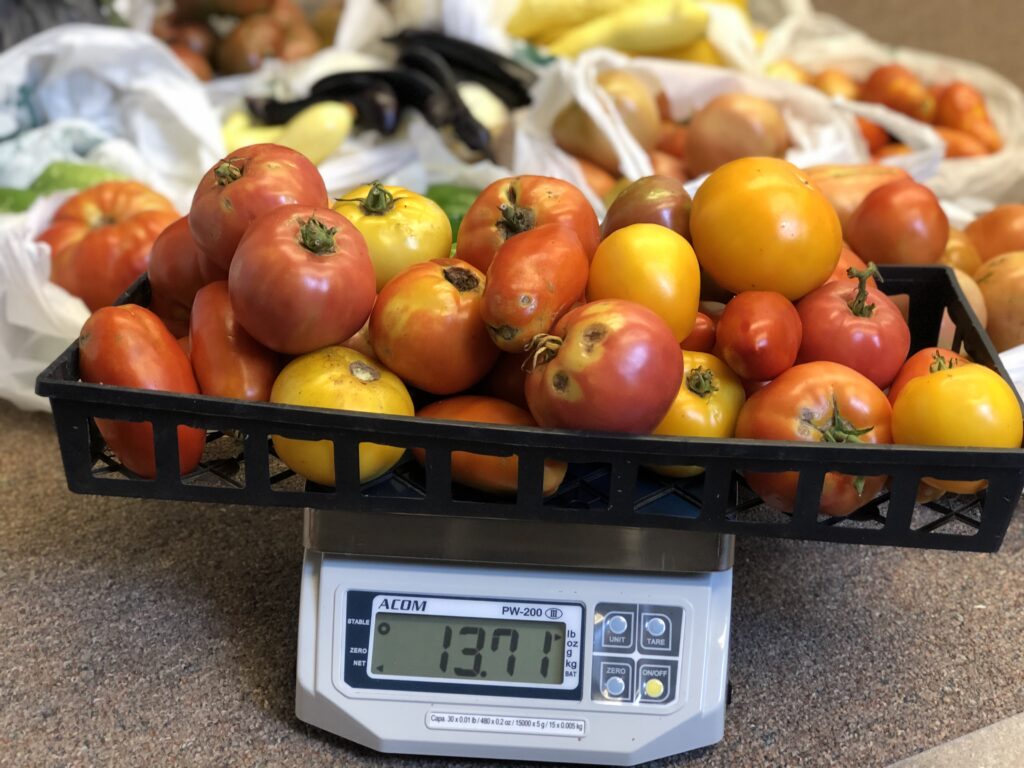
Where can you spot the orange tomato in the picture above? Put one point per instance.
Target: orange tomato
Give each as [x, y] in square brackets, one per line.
[493, 474]
[999, 231]
[759, 224]
[960, 252]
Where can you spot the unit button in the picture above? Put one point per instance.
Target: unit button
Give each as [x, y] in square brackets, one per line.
[656, 632]
[617, 624]
[612, 679]
[656, 681]
[617, 632]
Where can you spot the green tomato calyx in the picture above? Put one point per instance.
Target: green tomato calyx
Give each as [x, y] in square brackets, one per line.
[701, 381]
[316, 237]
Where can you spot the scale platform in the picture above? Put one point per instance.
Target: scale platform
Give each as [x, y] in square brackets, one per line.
[513, 639]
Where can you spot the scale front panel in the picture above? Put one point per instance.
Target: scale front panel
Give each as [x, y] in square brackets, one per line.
[513, 664]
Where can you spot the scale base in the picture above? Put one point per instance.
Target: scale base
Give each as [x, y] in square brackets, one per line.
[611, 733]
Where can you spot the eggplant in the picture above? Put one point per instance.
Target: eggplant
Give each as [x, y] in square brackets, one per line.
[509, 79]
[375, 101]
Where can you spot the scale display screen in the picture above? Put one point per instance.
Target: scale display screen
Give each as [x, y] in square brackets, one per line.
[457, 647]
[494, 647]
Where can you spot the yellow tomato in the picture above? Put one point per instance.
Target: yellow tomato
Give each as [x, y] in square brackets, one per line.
[757, 224]
[339, 377]
[708, 404]
[650, 265]
[969, 406]
[401, 227]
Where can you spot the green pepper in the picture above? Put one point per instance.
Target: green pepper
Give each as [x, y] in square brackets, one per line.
[454, 200]
[64, 175]
[14, 200]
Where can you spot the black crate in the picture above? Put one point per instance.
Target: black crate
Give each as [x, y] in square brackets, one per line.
[607, 483]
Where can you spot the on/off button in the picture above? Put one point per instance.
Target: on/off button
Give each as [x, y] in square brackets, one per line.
[654, 688]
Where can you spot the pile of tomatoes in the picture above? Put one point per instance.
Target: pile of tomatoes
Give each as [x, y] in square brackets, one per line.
[539, 316]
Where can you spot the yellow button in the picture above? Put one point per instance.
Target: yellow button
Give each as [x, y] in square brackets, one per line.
[654, 688]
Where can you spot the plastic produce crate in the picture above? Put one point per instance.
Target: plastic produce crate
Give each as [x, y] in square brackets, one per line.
[607, 482]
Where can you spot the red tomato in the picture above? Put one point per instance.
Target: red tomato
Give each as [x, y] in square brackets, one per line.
[426, 326]
[174, 272]
[609, 366]
[174, 316]
[702, 337]
[511, 206]
[899, 223]
[128, 346]
[228, 361]
[758, 335]
[817, 403]
[857, 326]
[244, 185]
[302, 279]
[921, 363]
[874, 134]
[100, 239]
[533, 280]
[493, 474]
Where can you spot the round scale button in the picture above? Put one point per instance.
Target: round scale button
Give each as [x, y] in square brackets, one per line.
[654, 688]
[614, 686]
[618, 624]
[655, 626]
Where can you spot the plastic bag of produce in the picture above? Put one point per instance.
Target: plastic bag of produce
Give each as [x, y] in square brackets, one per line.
[816, 41]
[38, 319]
[818, 132]
[147, 112]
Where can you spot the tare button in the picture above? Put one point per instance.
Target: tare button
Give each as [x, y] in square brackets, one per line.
[660, 629]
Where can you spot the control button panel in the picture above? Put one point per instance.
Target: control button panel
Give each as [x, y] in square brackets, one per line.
[637, 653]
[612, 679]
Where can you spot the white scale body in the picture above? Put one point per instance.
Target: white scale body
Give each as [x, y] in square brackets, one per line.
[513, 663]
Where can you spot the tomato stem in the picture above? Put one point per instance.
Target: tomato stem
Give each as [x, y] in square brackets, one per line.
[701, 381]
[940, 363]
[227, 172]
[858, 305]
[317, 237]
[839, 429]
[544, 347]
[514, 219]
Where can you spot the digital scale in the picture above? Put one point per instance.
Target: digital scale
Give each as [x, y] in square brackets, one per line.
[513, 639]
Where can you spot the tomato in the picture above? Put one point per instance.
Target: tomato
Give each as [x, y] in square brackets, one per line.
[100, 239]
[962, 107]
[898, 88]
[174, 272]
[427, 327]
[899, 223]
[921, 363]
[857, 326]
[507, 379]
[650, 265]
[533, 280]
[758, 225]
[301, 279]
[848, 259]
[846, 186]
[492, 474]
[609, 366]
[1001, 282]
[128, 346]
[707, 405]
[597, 178]
[228, 362]
[975, 299]
[960, 143]
[960, 252]
[249, 182]
[758, 335]
[651, 200]
[702, 337]
[966, 406]
[340, 378]
[999, 231]
[819, 402]
[401, 228]
[509, 207]
[874, 134]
